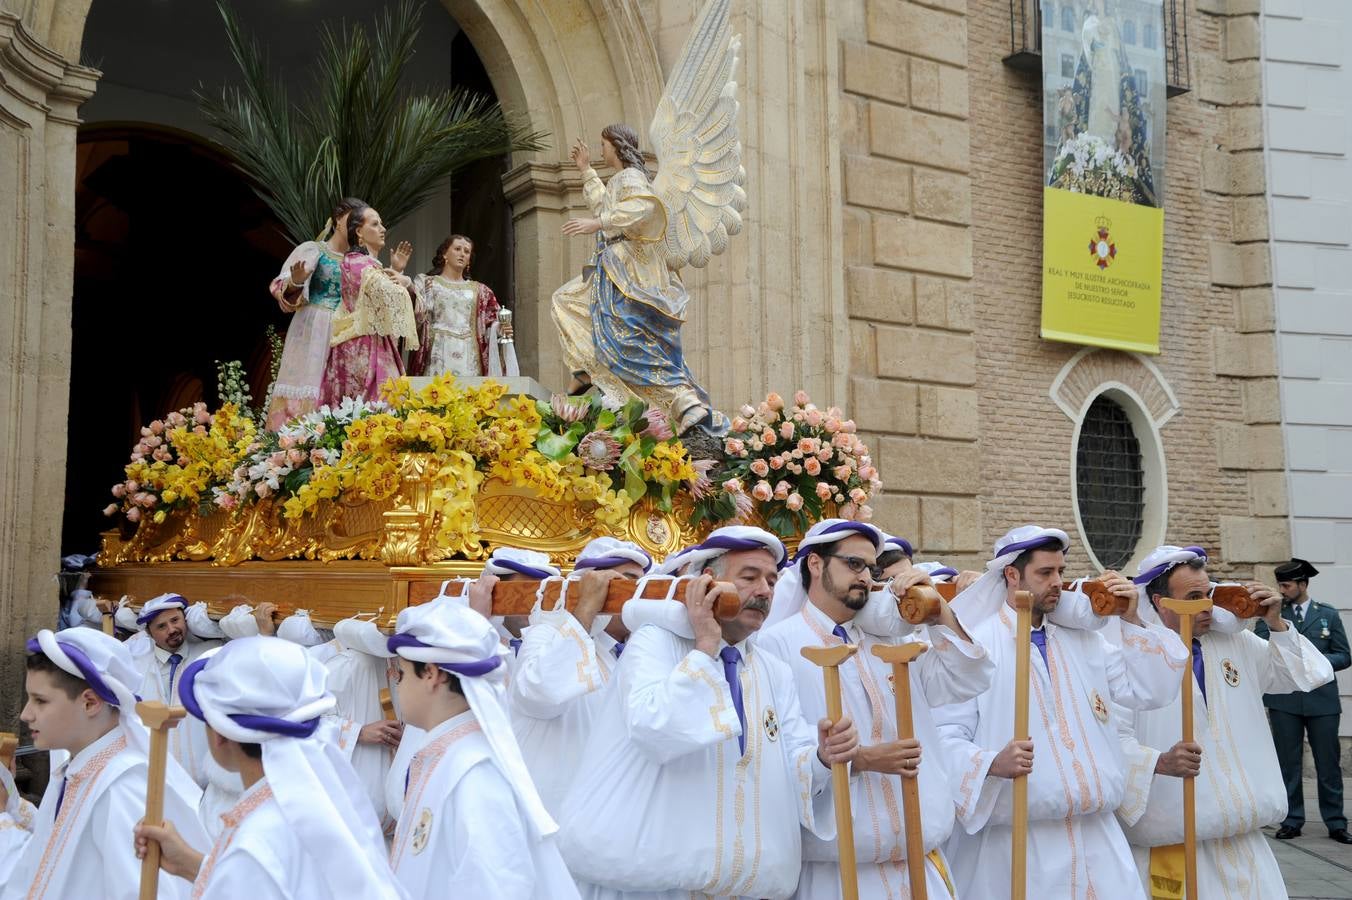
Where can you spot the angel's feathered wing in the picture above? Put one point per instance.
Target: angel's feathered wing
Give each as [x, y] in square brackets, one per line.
[699, 154]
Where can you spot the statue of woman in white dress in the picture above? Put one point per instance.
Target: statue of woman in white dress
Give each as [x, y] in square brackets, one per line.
[459, 328]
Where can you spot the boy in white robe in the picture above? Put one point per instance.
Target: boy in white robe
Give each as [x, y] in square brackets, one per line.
[472, 824]
[702, 769]
[564, 662]
[1076, 848]
[303, 828]
[1239, 783]
[816, 601]
[81, 707]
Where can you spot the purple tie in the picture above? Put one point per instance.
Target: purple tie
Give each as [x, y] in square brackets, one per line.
[731, 657]
[1040, 641]
[515, 644]
[174, 660]
[1199, 667]
[617, 649]
[839, 631]
[60, 798]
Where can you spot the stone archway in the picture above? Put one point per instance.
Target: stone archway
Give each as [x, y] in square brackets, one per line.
[565, 65]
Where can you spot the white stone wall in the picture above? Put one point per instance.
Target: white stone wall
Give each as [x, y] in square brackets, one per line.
[1307, 75]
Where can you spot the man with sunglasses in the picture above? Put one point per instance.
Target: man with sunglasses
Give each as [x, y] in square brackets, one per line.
[1076, 847]
[816, 602]
[1238, 782]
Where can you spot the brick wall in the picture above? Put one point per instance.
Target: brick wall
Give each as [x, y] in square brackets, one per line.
[941, 151]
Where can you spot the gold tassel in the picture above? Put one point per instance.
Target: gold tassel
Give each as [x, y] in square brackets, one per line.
[1167, 871]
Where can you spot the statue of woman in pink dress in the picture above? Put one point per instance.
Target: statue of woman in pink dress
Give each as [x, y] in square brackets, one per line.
[375, 314]
[309, 286]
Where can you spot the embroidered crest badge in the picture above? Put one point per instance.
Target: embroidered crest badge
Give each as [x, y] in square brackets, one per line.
[1099, 706]
[422, 831]
[1102, 249]
[1324, 628]
[1231, 673]
[771, 724]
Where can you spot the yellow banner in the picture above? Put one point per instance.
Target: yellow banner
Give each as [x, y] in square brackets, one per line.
[1101, 265]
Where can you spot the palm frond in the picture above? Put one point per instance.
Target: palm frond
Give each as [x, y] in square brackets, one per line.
[360, 132]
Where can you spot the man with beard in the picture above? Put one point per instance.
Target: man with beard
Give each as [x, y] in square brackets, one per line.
[815, 604]
[1075, 845]
[701, 769]
[1239, 784]
[165, 621]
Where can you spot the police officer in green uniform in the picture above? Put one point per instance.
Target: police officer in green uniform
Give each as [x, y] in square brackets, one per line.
[1314, 712]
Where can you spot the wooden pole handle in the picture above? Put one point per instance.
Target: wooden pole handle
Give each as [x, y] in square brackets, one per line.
[830, 658]
[900, 657]
[1018, 873]
[159, 719]
[387, 703]
[1235, 598]
[9, 744]
[1186, 610]
[517, 598]
[920, 605]
[1103, 600]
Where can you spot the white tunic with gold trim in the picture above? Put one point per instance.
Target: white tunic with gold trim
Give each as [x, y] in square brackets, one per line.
[1240, 788]
[1076, 848]
[666, 803]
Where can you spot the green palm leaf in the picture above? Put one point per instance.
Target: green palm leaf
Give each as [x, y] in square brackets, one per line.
[360, 132]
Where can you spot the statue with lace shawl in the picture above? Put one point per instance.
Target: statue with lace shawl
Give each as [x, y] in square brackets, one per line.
[620, 320]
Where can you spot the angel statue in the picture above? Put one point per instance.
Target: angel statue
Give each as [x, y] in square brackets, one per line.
[620, 320]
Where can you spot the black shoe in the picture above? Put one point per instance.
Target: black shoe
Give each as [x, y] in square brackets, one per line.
[1341, 836]
[1286, 832]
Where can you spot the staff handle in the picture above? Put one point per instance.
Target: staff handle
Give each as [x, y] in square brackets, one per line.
[159, 719]
[900, 657]
[829, 659]
[511, 598]
[9, 746]
[1186, 610]
[1023, 641]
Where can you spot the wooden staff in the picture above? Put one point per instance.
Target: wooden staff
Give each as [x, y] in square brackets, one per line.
[900, 657]
[159, 719]
[1023, 640]
[107, 608]
[9, 745]
[829, 659]
[1186, 610]
[387, 703]
[517, 598]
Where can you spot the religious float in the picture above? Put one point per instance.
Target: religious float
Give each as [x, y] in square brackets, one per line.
[371, 506]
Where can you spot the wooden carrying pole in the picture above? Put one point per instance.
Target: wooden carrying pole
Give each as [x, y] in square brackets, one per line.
[829, 659]
[900, 658]
[9, 745]
[1023, 641]
[517, 598]
[159, 719]
[1186, 610]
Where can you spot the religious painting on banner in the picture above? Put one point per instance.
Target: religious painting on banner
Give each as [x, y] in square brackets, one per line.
[1104, 101]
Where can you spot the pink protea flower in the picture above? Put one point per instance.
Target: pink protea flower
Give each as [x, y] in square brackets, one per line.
[567, 411]
[794, 501]
[659, 427]
[744, 507]
[762, 491]
[760, 467]
[701, 485]
[599, 450]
